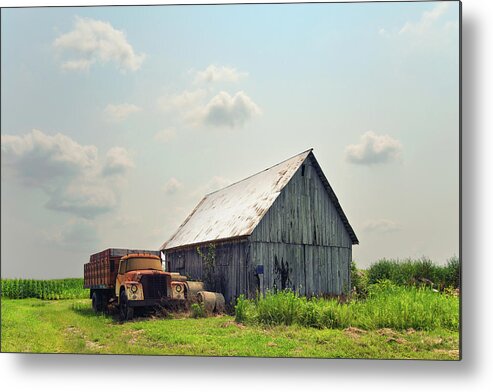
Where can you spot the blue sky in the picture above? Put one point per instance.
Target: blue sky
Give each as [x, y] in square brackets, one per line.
[116, 120]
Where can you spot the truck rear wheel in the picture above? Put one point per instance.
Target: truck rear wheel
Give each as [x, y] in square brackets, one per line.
[126, 312]
[96, 302]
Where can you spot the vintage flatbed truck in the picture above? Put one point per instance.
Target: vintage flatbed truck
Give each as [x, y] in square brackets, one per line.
[131, 278]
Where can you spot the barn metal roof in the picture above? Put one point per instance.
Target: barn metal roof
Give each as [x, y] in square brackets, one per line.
[234, 211]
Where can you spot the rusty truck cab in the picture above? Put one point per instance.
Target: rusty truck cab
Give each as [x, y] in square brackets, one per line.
[142, 282]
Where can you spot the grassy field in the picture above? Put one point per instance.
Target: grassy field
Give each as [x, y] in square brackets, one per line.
[70, 326]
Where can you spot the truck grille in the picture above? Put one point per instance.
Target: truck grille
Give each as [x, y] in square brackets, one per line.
[154, 286]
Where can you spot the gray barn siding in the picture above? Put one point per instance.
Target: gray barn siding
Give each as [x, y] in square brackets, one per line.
[230, 270]
[311, 269]
[304, 230]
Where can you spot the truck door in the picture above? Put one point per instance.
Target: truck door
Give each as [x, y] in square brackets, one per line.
[120, 276]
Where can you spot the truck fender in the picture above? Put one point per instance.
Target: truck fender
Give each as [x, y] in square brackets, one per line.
[134, 291]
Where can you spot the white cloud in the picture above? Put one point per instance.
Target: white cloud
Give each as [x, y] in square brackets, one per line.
[76, 234]
[199, 106]
[186, 105]
[214, 73]
[75, 180]
[165, 136]
[381, 226]
[184, 101]
[222, 110]
[374, 149]
[172, 186]
[77, 65]
[427, 20]
[39, 159]
[118, 161]
[119, 112]
[94, 41]
[85, 198]
[225, 110]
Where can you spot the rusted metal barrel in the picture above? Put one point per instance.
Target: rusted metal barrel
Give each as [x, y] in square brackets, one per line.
[176, 277]
[213, 302]
[220, 303]
[208, 299]
[193, 288]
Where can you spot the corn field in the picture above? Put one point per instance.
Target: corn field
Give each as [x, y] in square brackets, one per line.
[44, 289]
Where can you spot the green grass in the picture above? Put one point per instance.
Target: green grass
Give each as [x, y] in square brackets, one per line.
[386, 306]
[53, 289]
[70, 326]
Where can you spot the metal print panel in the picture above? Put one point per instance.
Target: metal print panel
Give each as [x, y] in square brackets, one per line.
[261, 180]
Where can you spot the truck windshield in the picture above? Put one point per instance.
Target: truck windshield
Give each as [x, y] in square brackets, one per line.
[143, 264]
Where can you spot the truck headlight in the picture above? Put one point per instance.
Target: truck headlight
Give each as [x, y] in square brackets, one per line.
[133, 288]
[178, 288]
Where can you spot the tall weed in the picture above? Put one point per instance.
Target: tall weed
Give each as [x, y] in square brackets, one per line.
[243, 309]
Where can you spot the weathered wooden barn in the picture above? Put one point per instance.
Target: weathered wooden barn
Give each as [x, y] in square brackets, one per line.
[280, 228]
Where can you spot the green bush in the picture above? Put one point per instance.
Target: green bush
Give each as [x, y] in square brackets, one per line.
[278, 308]
[452, 272]
[416, 272]
[243, 309]
[359, 280]
[198, 310]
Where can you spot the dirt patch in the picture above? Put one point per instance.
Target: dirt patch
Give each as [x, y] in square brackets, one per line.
[433, 341]
[73, 330]
[134, 335]
[93, 345]
[396, 340]
[410, 331]
[452, 353]
[272, 344]
[232, 323]
[354, 332]
[387, 332]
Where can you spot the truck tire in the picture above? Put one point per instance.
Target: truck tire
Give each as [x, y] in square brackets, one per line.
[96, 302]
[104, 303]
[126, 312]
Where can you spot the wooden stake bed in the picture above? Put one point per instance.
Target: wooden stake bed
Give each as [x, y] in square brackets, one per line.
[101, 271]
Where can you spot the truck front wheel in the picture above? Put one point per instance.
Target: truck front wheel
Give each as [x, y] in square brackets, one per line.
[126, 312]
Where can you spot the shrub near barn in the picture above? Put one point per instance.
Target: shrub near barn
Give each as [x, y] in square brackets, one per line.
[417, 272]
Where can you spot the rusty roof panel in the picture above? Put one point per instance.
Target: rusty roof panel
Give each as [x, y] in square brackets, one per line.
[236, 210]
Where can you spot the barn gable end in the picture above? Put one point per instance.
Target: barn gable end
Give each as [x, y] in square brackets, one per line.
[302, 242]
[305, 213]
